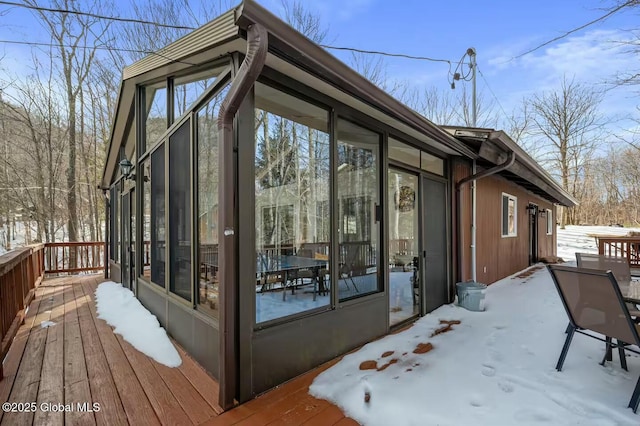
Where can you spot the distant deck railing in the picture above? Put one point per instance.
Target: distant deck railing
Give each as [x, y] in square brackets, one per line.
[21, 272]
[624, 247]
[74, 257]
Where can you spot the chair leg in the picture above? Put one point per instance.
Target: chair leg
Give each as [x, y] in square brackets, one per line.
[635, 397]
[568, 328]
[608, 355]
[623, 358]
[354, 284]
[570, 332]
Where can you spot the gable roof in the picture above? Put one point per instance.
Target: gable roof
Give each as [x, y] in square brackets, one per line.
[287, 48]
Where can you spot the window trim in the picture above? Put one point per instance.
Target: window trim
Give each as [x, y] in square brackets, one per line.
[550, 222]
[515, 215]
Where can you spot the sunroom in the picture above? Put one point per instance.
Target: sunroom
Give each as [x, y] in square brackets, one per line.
[273, 208]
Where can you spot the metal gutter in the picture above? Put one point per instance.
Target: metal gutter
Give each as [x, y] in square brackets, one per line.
[257, 47]
[511, 159]
[530, 163]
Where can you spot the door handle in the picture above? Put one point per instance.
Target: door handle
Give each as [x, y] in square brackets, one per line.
[424, 254]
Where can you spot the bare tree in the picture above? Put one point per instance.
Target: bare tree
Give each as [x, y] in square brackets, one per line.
[72, 34]
[305, 21]
[569, 125]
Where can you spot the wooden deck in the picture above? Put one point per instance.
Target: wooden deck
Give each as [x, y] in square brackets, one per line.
[78, 359]
[288, 404]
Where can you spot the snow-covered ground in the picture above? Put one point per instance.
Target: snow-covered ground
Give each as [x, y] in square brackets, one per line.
[577, 239]
[494, 368]
[121, 310]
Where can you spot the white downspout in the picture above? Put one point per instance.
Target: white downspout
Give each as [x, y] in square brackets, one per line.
[473, 225]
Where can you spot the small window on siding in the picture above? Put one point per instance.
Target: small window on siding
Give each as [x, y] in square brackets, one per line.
[549, 222]
[509, 215]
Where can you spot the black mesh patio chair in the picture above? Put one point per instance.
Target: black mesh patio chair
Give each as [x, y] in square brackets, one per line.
[346, 268]
[593, 301]
[619, 266]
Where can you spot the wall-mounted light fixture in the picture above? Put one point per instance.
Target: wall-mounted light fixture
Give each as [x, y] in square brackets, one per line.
[125, 169]
[543, 213]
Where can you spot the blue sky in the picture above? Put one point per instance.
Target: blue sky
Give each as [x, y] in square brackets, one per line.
[498, 29]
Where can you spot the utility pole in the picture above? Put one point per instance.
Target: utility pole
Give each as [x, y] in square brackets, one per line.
[472, 64]
[471, 53]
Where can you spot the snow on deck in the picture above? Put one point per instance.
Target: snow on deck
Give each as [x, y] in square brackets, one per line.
[120, 309]
[494, 368]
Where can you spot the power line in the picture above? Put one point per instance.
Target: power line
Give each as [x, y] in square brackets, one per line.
[396, 55]
[109, 48]
[180, 27]
[93, 15]
[491, 90]
[601, 18]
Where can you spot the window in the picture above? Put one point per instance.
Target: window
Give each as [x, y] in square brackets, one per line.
[188, 89]
[509, 215]
[404, 153]
[207, 198]
[145, 272]
[358, 188]
[404, 300]
[113, 232]
[180, 211]
[158, 240]
[155, 123]
[549, 222]
[292, 155]
[116, 225]
[431, 163]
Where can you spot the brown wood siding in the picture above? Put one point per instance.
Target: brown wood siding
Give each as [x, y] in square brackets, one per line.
[497, 256]
[461, 244]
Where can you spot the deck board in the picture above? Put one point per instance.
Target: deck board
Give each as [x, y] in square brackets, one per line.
[103, 389]
[25, 388]
[52, 377]
[81, 359]
[134, 400]
[16, 351]
[164, 403]
[76, 381]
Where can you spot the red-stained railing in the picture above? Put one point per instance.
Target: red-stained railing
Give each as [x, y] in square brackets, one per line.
[74, 257]
[21, 272]
[625, 247]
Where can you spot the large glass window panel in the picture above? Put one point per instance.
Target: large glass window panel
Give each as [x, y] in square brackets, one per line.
[145, 271]
[155, 99]
[188, 89]
[116, 224]
[358, 185]
[112, 223]
[292, 204]
[180, 211]
[404, 300]
[158, 227]
[207, 198]
[405, 153]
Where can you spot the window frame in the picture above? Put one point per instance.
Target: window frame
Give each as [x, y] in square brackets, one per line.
[331, 117]
[513, 198]
[549, 222]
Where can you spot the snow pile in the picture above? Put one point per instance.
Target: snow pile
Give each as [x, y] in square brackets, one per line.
[121, 310]
[579, 239]
[494, 368]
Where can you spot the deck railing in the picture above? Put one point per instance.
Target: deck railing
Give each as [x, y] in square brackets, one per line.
[74, 257]
[21, 272]
[625, 247]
